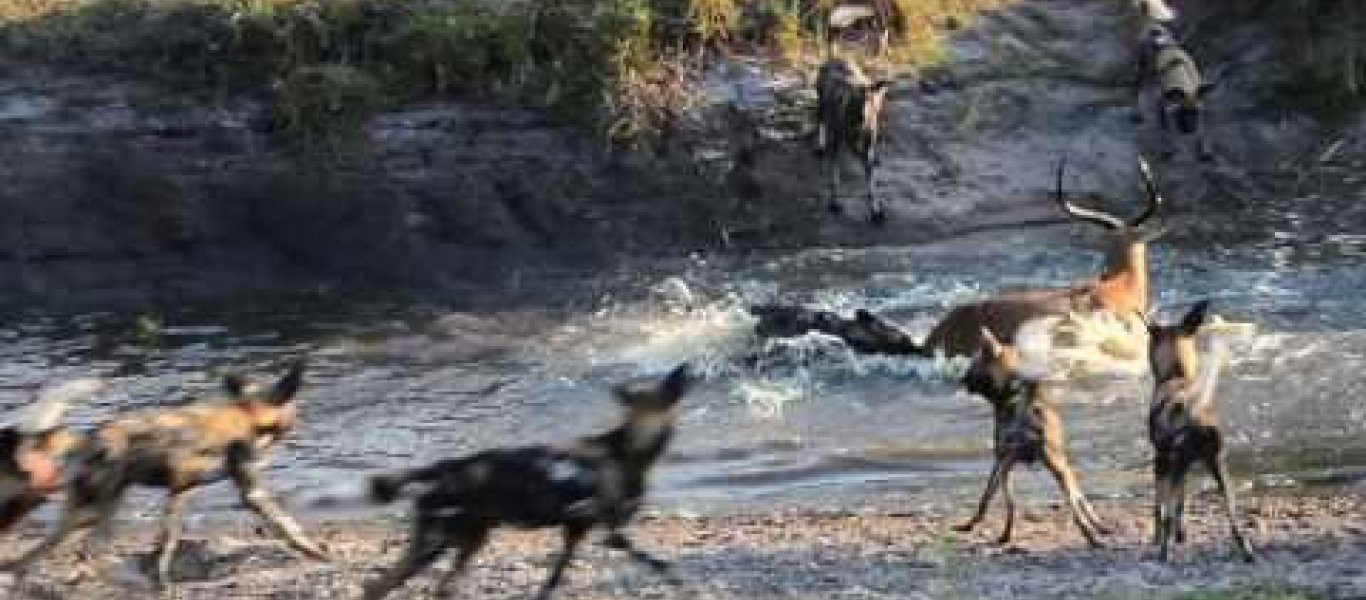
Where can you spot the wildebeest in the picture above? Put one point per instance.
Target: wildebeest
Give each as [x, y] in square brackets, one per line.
[1183, 426]
[598, 481]
[848, 116]
[865, 332]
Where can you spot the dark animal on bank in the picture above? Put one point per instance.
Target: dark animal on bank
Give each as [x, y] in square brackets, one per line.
[597, 482]
[1183, 426]
[1027, 430]
[865, 333]
[179, 449]
[33, 451]
[1180, 90]
[848, 118]
[1121, 288]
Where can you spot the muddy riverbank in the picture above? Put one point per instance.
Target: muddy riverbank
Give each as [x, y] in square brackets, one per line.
[1308, 547]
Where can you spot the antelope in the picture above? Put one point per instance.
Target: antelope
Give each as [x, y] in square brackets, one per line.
[597, 482]
[1027, 430]
[1180, 90]
[848, 114]
[179, 449]
[1121, 288]
[1183, 426]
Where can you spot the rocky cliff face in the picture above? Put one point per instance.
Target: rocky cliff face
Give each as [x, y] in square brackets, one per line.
[114, 190]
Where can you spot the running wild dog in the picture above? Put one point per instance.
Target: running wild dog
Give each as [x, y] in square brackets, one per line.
[33, 450]
[1121, 288]
[1180, 90]
[1027, 430]
[848, 115]
[1183, 425]
[179, 449]
[597, 482]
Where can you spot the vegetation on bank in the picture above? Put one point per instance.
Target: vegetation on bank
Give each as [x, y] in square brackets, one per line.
[625, 66]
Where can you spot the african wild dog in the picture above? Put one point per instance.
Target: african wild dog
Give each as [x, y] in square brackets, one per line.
[179, 449]
[1027, 430]
[597, 482]
[1121, 289]
[1183, 426]
[849, 114]
[1180, 90]
[32, 451]
[866, 332]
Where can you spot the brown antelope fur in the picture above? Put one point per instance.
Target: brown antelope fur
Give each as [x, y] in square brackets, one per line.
[1027, 430]
[1121, 288]
[597, 482]
[180, 449]
[1183, 426]
[33, 450]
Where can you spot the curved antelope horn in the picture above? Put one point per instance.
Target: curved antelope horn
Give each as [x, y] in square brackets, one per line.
[1107, 221]
[1154, 198]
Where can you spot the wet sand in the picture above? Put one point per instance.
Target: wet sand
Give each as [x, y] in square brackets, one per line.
[1309, 547]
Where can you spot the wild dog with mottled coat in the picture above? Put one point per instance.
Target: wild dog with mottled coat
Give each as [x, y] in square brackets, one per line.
[1121, 289]
[33, 450]
[1028, 429]
[180, 449]
[597, 482]
[849, 116]
[885, 16]
[1184, 428]
[1180, 90]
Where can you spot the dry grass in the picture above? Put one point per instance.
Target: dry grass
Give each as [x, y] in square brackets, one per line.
[628, 66]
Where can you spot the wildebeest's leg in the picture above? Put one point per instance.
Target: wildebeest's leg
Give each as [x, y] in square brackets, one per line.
[1057, 464]
[172, 524]
[429, 541]
[467, 539]
[1220, 473]
[255, 496]
[1003, 464]
[1010, 509]
[573, 535]
[618, 541]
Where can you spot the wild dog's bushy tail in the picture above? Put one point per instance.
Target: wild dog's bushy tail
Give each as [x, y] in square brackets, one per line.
[388, 488]
[46, 412]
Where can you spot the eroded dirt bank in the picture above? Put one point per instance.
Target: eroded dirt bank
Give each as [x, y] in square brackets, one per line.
[1308, 548]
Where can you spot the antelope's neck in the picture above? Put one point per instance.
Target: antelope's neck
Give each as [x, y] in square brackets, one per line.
[1123, 287]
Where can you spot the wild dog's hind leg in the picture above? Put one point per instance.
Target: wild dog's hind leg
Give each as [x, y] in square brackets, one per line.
[573, 535]
[877, 213]
[467, 539]
[78, 515]
[1057, 464]
[429, 541]
[1010, 509]
[1220, 473]
[255, 496]
[1003, 464]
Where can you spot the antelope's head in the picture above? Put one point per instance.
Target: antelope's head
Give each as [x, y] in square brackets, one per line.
[1124, 284]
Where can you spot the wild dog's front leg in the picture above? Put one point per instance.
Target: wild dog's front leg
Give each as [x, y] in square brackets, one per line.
[172, 524]
[1057, 464]
[1003, 464]
[1220, 473]
[255, 496]
[428, 543]
[617, 540]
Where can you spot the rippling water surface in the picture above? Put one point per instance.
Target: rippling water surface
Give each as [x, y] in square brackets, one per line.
[811, 424]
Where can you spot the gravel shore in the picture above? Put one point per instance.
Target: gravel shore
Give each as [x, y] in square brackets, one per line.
[1309, 547]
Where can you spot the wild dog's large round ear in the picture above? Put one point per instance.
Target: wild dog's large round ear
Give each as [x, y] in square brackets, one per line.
[289, 383]
[679, 381]
[1204, 90]
[235, 384]
[863, 316]
[1191, 323]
